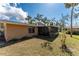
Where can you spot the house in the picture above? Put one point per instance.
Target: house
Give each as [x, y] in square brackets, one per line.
[16, 30]
[75, 29]
[11, 30]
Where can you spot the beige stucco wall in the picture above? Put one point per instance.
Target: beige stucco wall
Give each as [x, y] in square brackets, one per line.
[14, 31]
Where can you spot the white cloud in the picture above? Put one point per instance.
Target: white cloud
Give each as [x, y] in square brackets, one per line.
[7, 12]
[3, 17]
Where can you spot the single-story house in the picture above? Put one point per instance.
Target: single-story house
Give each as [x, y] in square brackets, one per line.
[75, 29]
[15, 30]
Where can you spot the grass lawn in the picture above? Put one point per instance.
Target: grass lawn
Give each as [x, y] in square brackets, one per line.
[33, 47]
[73, 43]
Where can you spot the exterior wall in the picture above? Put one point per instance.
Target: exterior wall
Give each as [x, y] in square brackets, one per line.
[14, 31]
[74, 29]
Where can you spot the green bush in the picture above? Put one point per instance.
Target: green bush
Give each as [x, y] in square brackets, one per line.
[74, 32]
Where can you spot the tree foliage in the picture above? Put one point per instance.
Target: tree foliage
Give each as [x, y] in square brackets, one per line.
[71, 5]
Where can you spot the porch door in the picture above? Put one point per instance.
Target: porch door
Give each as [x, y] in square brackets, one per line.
[43, 31]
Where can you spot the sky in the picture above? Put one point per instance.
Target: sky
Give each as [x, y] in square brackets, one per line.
[20, 11]
[12, 12]
[49, 10]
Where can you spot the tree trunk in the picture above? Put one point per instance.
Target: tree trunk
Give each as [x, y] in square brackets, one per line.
[71, 29]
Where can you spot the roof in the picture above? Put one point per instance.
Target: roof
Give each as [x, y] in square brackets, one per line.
[37, 24]
[72, 26]
[12, 22]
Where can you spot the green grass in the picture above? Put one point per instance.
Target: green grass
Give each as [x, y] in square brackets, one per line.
[73, 43]
[33, 47]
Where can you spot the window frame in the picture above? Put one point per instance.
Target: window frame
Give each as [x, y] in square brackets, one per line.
[31, 29]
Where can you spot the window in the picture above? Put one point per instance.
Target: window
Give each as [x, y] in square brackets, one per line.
[31, 29]
[1, 25]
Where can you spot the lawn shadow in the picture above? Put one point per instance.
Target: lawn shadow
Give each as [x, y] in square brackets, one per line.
[66, 49]
[48, 38]
[14, 41]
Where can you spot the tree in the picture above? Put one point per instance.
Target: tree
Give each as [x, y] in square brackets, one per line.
[29, 18]
[55, 22]
[62, 28]
[39, 17]
[63, 20]
[71, 5]
[45, 20]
